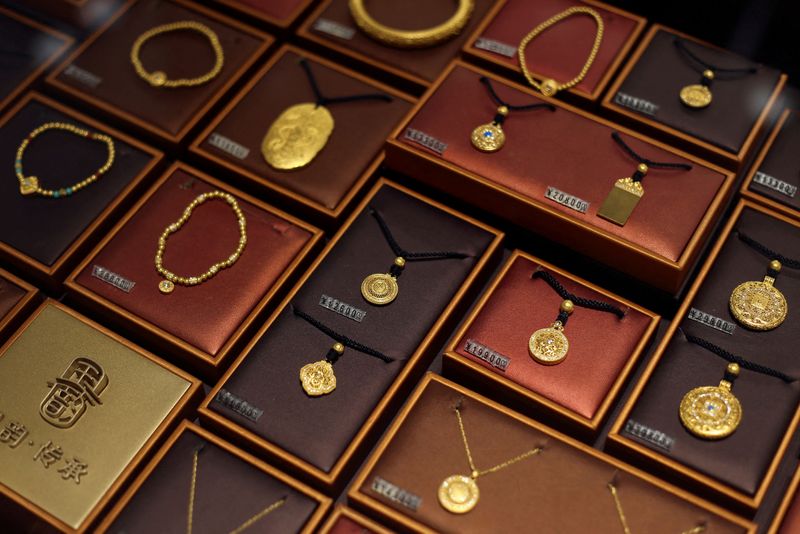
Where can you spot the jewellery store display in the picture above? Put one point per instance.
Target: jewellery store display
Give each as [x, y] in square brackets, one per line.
[759, 305]
[318, 378]
[627, 192]
[381, 288]
[159, 78]
[548, 86]
[459, 493]
[549, 346]
[714, 412]
[29, 185]
[490, 137]
[301, 131]
[699, 95]
[411, 38]
[624, 521]
[167, 285]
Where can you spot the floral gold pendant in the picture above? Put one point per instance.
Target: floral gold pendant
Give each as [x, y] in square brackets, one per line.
[318, 378]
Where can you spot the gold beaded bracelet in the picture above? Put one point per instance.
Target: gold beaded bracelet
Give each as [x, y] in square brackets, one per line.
[159, 78]
[170, 279]
[29, 185]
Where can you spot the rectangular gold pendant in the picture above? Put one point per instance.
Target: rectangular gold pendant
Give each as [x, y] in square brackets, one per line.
[621, 201]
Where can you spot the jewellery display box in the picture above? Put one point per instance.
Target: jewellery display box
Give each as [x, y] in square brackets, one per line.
[101, 74]
[559, 52]
[491, 348]
[647, 95]
[554, 172]
[200, 325]
[46, 237]
[83, 14]
[201, 478]
[774, 178]
[402, 481]
[27, 49]
[332, 26]
[738, 469]
[80, 409]
[17, 299]
[345, 520]
[278, 13]
[261, 402]
[787, 519]
[328, 184]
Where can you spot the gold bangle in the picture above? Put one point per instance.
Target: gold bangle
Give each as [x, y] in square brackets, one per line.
[548, 86]
[411, 38]
[159, 78]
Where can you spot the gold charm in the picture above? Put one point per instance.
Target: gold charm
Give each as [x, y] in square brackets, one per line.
[712, 412]
[549, 346]
[297, 136]
[29, 185]
[623, 198]
[379, 288]
[488, 137]
[696, 96]
[549, 87]
[157, 79]
[459, 494]
[317, 378]
[166, 287]
[759, 305]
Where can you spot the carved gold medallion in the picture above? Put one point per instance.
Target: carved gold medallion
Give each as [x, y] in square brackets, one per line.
[297, 136]
[29, 185]
[758, 305]
[549, 346]
[696, 96]
[711, 412]
[318, 378]
[458, 494]
[379, 288]
[488, 137]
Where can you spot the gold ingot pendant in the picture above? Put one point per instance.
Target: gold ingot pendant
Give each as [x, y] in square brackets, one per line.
[488, 137]
[621, 201]
[458, 494]
[318, 378]
[696, 96]
[758, 305]
[379, 289]
[297, 136]
[549, 346]
[711, 412]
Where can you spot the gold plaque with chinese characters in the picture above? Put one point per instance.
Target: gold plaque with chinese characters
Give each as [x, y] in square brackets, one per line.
[297, 136]
[76, 407]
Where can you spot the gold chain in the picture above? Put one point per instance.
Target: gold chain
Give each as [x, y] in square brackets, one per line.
[550, 87]
[159, 78]
[29, 185]
[498, 467]
[622, 519]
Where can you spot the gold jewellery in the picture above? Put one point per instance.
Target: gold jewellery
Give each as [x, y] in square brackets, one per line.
[459, 493]
[159, 78]
[29, 185]
[167, 285]
[548, 86]
[699, 95]
[624, 520]
[411, 38]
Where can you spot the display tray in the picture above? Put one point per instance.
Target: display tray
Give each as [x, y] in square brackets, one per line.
[400, 482]
[225, 488]
[83, 14]
[646, 95]
[738, 469]
[787, 519]
[17, 299]
[260, 402]
[278, 13]
[202, 326]
[345, 520]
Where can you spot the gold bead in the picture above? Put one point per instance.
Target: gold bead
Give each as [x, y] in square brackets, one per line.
[708, 74]
[400, 262]
[338, 347]
[567, 306]
[502, 110]
[775, 265]
[733, 368]
[642, 168]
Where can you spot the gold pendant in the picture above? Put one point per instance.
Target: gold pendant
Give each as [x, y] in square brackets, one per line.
[711, 412]
[317, 378]
[458, 494]
[549, 87]
[29, 185]
[166, 287]
[696, 96]
[157, 79]
[297, 136]
[549, 346]
[758, 305]
[621, 201]
[488, 137]
[379, 288]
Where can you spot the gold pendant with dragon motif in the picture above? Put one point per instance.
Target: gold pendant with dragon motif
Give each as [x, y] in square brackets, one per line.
[296, 137]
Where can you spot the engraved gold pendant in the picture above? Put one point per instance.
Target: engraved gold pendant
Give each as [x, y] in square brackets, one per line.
[458, 494]
[166, 287]
[698, 95]
[382, 288]
[623, 198]
[549, 346]
[296, 137]
[29, 185]
[490, 137]
[759, 305]
[712, 412]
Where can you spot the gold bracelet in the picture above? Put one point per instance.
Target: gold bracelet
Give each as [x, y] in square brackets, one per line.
[548, 86]
[159, 78]
[411, 38]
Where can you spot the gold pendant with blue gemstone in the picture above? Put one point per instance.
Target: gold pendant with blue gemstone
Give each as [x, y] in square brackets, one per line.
[490, 137]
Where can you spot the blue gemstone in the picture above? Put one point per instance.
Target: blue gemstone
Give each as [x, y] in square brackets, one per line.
[487, 133]
[56, 194]
[69, 190]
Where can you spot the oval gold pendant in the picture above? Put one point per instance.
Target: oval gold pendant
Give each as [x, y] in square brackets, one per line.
[758, 305]
[696, 96]
[317, 378]
[488, 137]
[379, 288]
[458, 494]
[710, 412]
[166, 287]
[297, 136]
[549, 346]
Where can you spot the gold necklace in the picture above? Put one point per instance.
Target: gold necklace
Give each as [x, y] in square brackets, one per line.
[459, 493]
[247, 524]
[167, 285]
[159, 78]
[622, 519]
[548, 86]
[29, 185]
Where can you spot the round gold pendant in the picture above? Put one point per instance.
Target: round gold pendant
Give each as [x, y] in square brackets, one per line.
[297, 136]
[758, 305]
[458, 494]
[317, 378]
[166, 287]
[549, 346]
[488, 137]
[379, 288]
[696, 96]
[710, 412]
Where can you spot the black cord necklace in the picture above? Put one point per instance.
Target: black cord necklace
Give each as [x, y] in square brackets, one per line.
[699, 95]
[714, 412]
[301, 131]
[549, 345]
[759, 305]
[382, 288]
[627, 192]
[490, 137]
[318, 378]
